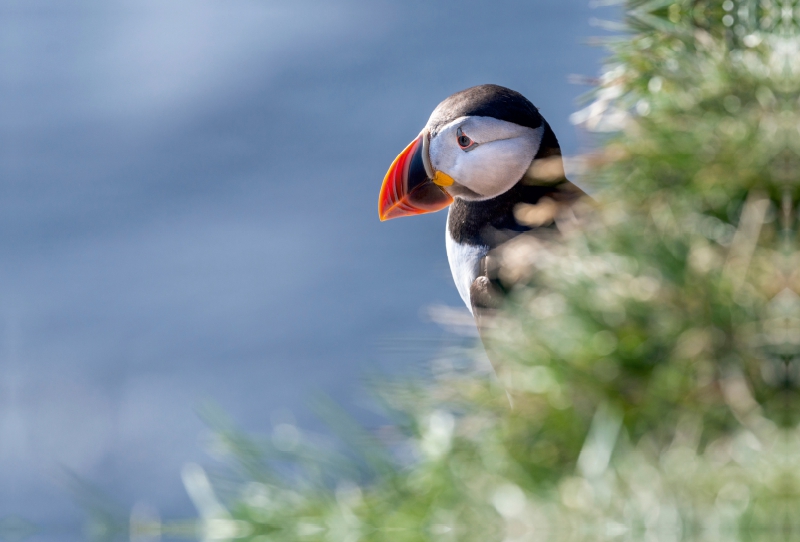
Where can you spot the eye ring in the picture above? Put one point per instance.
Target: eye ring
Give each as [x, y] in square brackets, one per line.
[464, 141]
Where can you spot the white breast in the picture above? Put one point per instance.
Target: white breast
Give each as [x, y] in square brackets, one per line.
[465, 265]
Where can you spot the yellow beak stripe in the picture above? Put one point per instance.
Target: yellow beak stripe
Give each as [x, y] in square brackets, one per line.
[442, 179]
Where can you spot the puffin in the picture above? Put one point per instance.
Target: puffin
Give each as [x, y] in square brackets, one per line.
[490, 156]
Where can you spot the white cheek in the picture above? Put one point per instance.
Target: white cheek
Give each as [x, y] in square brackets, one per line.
[503, 155]
[444, 157]
[493, 168]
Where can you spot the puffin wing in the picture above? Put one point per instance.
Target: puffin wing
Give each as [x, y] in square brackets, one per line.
[485, 296]
[488, 292]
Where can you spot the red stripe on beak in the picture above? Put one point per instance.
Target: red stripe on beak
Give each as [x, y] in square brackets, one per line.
[407, 190]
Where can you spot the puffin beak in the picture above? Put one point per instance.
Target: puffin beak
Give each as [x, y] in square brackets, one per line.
[411, 187]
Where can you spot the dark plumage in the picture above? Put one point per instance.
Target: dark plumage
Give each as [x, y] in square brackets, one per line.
[486, 101]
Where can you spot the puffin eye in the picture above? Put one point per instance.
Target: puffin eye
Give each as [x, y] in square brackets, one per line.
[464, 141]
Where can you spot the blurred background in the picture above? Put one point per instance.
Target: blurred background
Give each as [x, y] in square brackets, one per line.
[189, 214]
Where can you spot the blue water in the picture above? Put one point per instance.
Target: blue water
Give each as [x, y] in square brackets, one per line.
[188, 212]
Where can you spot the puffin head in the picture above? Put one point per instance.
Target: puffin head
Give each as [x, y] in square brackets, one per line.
[477, 144]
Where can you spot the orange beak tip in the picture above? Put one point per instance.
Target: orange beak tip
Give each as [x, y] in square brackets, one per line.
[407, 190]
